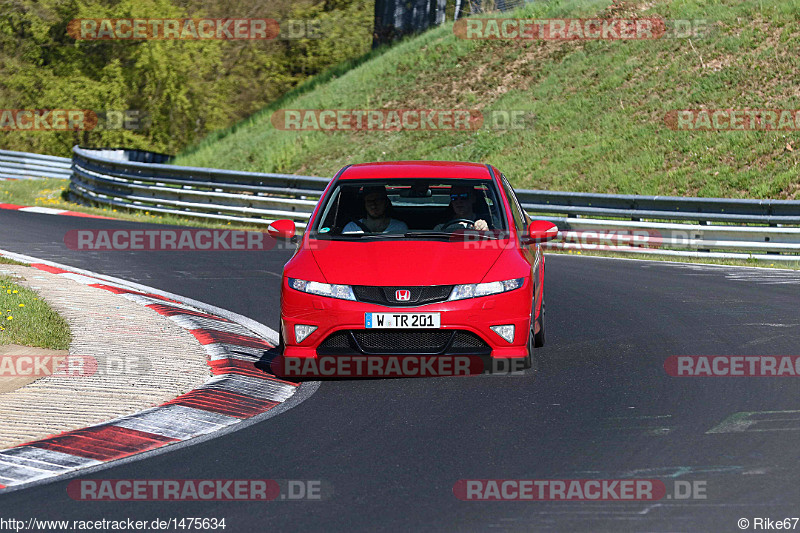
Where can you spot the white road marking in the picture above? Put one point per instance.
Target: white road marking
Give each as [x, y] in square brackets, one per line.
[45, 210]
[755, 422]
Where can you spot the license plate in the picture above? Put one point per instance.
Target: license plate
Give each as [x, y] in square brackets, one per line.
[402, 320]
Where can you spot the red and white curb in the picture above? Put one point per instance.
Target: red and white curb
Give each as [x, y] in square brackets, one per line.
[236, 393]
[50, 211]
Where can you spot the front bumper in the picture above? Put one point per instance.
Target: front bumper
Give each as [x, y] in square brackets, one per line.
[472, 316]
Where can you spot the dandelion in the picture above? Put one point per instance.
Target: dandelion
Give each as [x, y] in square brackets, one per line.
[21, 305]
[8, 291]
[9, 317]
[15, 292]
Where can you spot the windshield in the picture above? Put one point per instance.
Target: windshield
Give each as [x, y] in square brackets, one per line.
[411, 209]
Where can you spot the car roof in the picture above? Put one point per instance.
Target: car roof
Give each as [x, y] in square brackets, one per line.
[416, 169]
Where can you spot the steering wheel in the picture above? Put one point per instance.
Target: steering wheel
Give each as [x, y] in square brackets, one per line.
[457, 221]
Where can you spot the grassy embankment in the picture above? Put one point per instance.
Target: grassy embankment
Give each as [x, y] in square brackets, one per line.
[26, 320]
[598, 107]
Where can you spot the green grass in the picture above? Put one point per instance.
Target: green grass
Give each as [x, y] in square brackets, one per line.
[27, 320]
[599, 106]
[598, 109]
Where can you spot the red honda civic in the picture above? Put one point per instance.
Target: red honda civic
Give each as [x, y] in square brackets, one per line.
[416, 258]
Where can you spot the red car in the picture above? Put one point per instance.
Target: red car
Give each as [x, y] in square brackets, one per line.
[416, 258]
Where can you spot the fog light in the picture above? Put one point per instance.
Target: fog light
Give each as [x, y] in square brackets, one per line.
[507, 332]
[301, 331]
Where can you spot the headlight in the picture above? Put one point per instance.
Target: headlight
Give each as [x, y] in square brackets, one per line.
[475, 290]
[343, 292]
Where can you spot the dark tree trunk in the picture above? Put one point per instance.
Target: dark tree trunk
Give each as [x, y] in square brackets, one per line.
[396, 18]
[383, 31]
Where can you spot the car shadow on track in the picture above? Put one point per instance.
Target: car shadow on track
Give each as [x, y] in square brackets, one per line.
[271, 363]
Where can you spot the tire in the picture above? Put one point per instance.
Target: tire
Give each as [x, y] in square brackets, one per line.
[538, 338]
[531, 362]
[527, 363]
[281, 345]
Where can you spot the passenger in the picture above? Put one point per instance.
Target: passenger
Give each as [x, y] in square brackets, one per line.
[462, 200]
[378, 206]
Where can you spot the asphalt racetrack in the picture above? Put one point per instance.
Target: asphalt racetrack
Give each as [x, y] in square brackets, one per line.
[601, 406]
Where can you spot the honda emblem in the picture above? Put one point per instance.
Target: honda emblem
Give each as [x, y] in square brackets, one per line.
[402, 295]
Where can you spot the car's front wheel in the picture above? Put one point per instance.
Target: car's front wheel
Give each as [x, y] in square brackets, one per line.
[528, 361]
[281, 344]
[538, 338]
[535, 338]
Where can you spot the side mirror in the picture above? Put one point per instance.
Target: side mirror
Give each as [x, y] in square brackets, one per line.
[282, 229]
[541, 231]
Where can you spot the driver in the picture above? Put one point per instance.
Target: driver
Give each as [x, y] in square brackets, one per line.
[377, 205]
[462, 198]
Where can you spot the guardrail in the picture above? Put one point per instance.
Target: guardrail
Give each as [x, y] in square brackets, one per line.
[688, 240]
[634, 207]
[22, 165]
[720, 227]
[207, 193]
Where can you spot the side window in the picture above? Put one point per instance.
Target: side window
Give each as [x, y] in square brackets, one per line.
[328, 218]
[520, 217]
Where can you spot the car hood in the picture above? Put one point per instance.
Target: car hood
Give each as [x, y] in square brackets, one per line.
[405, 262]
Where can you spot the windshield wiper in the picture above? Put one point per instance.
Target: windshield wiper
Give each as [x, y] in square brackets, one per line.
[448, 235]
[356, 236]
[410, 234]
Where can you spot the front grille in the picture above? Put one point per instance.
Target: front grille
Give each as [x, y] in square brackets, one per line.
[386, 295]
[337, 341]
[467, 339]
[400, 341]
[432, 341]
